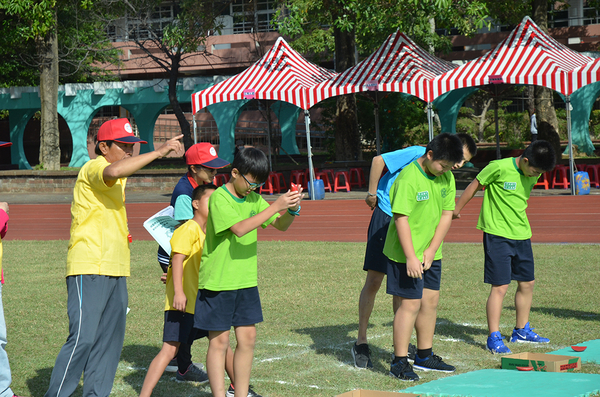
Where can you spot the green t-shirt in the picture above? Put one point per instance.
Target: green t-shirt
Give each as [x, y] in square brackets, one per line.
[505, 200]
[422, 198]
[229, 262]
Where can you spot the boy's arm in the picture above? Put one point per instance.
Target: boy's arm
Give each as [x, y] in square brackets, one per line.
[440, 233]
[377, 167]
[466, 196]
[127, 166]
[414, 267]
[179, 298]
[289, 200]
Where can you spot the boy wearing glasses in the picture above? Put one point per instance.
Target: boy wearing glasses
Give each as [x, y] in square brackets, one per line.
[202, 161]
[227, 283]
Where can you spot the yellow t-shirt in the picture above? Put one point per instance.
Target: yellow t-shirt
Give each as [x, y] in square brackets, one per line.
[99, 242]
[188, 239]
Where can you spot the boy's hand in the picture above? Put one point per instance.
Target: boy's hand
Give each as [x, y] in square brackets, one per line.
[179, 301]
[172, 145]
[289, 200]
[163, 278]
[455, 215]
[428, 259]
[414, 268]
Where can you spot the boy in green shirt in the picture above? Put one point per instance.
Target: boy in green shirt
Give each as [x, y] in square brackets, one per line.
[422, 199]
[507, 236]
[228, 280]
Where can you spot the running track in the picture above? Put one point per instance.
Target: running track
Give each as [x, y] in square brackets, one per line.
[554, 219]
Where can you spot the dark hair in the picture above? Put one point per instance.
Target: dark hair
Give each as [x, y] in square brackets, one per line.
[446, 146]
[200, 190]
[469, 142]
[540, 155]
[251, 161]
[97, 148]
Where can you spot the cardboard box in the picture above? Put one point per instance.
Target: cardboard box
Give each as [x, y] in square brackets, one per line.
[542, 362]
[373, 393]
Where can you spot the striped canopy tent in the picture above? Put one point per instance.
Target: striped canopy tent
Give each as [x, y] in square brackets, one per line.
[282, 74]
[398, 65]
[528, 56]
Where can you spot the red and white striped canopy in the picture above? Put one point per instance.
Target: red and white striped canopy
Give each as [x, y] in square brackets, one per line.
[399, 65]
[282, 75]
[587, 74]
[527, 56]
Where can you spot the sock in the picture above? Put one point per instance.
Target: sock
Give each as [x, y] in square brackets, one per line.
[424, 353]
[398, 359]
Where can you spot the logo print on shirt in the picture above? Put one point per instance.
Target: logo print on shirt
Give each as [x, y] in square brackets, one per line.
[444, 192]
[510, 185]
[422, 196]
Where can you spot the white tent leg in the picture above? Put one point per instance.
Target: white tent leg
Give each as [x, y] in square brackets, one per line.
[430, 120]
[310, 163]
[570, 147]
[194, 124]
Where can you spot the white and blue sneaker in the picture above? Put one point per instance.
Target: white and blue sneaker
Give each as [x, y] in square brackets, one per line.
[526, 335]
[495, 344]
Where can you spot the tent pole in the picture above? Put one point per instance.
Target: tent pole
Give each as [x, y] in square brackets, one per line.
[430, 120]
[194, 123]
[376, 114]
[310, 163]
[571, 161]
[498, 153]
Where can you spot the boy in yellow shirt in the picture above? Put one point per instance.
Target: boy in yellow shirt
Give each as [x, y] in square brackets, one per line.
[182, 286]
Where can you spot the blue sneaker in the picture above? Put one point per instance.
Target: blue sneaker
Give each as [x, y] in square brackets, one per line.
[495, 344]
[526, 335]
[403, 371]
[432, 363]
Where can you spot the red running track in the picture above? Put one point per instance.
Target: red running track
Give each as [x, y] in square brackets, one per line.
[554, 219]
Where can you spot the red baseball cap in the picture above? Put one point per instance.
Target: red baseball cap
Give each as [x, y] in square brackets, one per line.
[2, 143]
[118, 130]
[204, 154]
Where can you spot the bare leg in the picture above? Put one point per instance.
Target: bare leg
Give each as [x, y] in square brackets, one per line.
[404, 322]
[215, 361]
[523, 299]
[157, 367]
[366, 302]
[494, 306]
[242, 358]
[229, 365]
[425, 323]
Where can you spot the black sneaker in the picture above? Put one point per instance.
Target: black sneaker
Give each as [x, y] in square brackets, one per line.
[193, 374]
[251, 393]
[403, 371]
[172, 367]
[432, 363]
[361, 355]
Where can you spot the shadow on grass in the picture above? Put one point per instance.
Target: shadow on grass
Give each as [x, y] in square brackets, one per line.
[565, 313]
[139, 357]
[460, 331]
[38, 385]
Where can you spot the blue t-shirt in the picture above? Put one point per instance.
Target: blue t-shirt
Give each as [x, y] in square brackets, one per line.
[181, 199]
[395, 161]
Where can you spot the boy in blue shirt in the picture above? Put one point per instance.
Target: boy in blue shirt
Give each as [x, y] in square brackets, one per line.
[227, 283]
[507, 236]
[422, 200]
[375, 261]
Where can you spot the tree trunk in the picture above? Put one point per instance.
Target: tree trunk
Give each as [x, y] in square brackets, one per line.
[544, 103]
[482, 119]
[347, 137]
[49, 135]
[184, 124]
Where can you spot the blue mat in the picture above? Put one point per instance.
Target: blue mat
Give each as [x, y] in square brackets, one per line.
[589, 355]
[507, 383]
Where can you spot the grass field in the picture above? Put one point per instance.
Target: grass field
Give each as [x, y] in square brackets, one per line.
[309, 295]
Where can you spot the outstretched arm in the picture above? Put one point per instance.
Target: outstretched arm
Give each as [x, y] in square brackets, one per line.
[466, 196]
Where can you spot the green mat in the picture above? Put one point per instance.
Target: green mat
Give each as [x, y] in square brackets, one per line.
[589, 355]
[508, 383]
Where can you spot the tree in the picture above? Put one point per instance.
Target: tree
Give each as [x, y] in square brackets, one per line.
[345, 27]
[180, 39]
[36, 26]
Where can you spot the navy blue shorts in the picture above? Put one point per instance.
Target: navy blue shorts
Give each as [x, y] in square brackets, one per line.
[221, 310]
[378, 228]
[179, 327]
[399, 284]
[507, 260]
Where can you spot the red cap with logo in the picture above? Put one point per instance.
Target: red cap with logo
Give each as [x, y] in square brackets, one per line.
[204, 154]
[118, 130]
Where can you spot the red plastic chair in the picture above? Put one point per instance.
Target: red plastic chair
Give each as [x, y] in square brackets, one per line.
[544, 181]
[560, 177]
[337, 185]
[323, 176]
[357, 177]
[220, 179]
[298, 177]
[593, 171]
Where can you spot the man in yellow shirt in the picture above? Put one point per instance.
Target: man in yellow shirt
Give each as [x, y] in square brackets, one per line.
[98, 262]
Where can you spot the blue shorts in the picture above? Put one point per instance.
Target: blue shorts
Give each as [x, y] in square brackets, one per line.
[179, 327]
[221, 310]
[507, 260]
[399, 284]
[378, 228]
